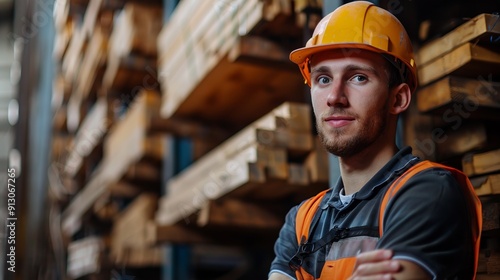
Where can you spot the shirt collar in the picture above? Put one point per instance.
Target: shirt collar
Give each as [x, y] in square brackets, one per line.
[401, 161]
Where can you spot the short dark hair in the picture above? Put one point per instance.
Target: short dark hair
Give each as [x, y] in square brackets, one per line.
[395, 71]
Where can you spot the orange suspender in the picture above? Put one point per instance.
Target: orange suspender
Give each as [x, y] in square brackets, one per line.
[307, 210]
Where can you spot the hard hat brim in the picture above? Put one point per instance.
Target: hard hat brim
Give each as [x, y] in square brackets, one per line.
[299, 56]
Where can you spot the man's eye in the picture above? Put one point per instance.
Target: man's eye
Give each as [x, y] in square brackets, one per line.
[323, 80]
[359, 78]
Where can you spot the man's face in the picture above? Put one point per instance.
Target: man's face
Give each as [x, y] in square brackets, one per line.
[350, 97]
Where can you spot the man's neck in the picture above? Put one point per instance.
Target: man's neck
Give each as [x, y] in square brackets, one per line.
[357, 170]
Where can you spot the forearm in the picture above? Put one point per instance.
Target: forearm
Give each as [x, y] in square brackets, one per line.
[278, 276]
[381, 264]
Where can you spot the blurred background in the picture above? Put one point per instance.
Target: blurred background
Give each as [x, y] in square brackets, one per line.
[168, 139]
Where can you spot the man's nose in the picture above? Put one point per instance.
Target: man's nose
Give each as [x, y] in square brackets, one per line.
[336, 96]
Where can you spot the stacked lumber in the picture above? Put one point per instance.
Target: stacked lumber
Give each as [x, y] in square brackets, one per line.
[463, 63]
[459, 77]
[484, 171]
[128, 236]
[127, 146]
[254, 163]
[211, 59]
[85, 256]
[132, 48]
[88, 137]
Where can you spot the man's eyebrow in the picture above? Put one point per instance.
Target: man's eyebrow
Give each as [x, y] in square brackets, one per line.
[348, 68]
[356, 67]
[321, 70]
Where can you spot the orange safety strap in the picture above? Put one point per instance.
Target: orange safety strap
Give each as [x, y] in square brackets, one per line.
[305, 214]
[473, 202]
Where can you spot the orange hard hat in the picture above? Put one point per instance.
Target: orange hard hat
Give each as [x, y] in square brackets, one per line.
[361, 25]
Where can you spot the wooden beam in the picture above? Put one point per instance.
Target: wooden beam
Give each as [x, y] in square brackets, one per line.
[136, 30]
[143, 257]
[157, 234]
[144, 171]
[486, 185]
[84, 256]
[467, 60]
[478, 28]
[471, 136]
[91, 133]
[480, 164]
[238, 214]
[317, 164]
[80, 36]
[225, 86]
[450, 90]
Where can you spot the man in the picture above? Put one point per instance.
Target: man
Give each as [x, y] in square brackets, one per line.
[360, 67]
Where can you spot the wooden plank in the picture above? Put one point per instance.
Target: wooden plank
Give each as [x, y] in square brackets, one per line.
[221, 181]
[238, 214]
[81, 35]
[297, 174]
[60, 121]
[130, 72]
[105, 208]
[62, 39]
[201, 51]
[467, 60]
[123, 188]
[468, 137]
[136, 30]
[471, 93]
[150, 102]
[495, 276]
[296, 113]
[486, 185]
[129, 228]
[157, 234]
[92, 66]
[90, 134]
[480, 27]
[225, 86]
[144, 172]
[84, 256]
[479, 164]
[317, 164]
[71, 59]
[125, 145]
[61, 91]
[143, 257]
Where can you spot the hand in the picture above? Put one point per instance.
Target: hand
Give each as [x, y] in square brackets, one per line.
[375, 265]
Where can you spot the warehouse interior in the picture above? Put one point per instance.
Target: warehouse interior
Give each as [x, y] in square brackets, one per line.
[167, 139]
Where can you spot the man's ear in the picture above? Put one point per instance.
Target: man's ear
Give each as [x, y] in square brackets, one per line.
[401, 98]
